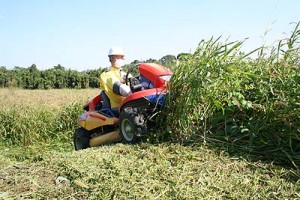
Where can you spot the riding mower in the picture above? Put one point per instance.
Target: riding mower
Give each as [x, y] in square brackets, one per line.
[132, 120]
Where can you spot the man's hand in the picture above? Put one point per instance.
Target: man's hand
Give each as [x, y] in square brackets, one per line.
[125, 90]
[121, 89]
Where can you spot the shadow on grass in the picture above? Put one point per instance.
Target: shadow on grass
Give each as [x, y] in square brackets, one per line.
[280, 157]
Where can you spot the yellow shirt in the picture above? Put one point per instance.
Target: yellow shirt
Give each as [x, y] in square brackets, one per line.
[107, 80]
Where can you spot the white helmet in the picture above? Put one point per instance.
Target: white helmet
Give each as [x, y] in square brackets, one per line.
[116, 51]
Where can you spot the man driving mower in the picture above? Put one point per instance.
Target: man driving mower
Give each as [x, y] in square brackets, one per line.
[112, 82]
[113, 89]
[123, 111]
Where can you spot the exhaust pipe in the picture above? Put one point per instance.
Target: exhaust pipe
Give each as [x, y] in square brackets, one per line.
[108, 137]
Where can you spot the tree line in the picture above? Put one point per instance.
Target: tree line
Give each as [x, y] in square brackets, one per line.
[59, 77]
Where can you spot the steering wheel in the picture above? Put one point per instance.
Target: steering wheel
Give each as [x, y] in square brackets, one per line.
[134, 71]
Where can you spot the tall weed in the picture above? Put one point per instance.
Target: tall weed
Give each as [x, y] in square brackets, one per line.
[28, 125]
[221, 94]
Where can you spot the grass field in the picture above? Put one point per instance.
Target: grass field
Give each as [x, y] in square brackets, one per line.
[231, 131]
[37, 160]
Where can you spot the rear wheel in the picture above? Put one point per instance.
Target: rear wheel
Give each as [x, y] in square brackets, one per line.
[130, 126]
[81, 139]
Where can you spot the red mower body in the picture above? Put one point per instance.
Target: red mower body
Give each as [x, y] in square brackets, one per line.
[133, 115]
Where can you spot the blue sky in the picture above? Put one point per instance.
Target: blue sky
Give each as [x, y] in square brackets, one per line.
[77, 34]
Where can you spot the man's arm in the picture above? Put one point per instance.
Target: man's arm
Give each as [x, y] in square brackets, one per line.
[108, 83]
[121, 89]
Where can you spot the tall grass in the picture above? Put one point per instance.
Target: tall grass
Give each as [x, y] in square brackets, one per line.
[42, 116]
[221, 95]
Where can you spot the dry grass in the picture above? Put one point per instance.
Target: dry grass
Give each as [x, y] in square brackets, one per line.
[53, 99]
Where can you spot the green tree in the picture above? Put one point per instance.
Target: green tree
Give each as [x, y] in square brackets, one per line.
[168, 61]
[94, 76]
[60, 77]
[3, 76]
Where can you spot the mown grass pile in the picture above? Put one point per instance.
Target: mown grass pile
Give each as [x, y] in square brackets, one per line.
[143, 171]
[222, 96]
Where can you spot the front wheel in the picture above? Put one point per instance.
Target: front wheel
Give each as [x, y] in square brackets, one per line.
[81, 139]
[130, 126]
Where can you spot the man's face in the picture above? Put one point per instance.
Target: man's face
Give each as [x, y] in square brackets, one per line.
[113, 58]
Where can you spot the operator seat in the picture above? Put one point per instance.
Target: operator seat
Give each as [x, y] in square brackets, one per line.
[105, 100]
[105, 104]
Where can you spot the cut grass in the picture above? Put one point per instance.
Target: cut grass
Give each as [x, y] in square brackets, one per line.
[143, 171]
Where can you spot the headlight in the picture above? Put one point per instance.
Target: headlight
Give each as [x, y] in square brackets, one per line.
[166, 77]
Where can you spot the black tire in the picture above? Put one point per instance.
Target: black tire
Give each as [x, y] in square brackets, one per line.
[81, 139]
[128, 126]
